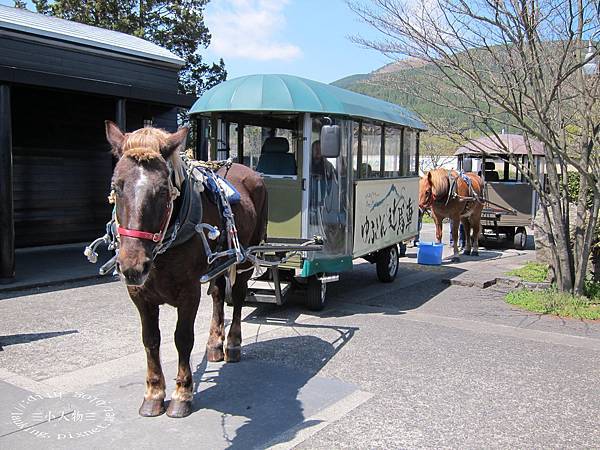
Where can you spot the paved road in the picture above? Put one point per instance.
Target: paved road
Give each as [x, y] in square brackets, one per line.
[415, 363]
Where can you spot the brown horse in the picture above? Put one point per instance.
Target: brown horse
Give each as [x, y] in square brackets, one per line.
[145, 194]
[448, 194]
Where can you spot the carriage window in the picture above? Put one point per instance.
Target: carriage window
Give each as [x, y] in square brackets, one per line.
[393, 150]
[355, 141]
[233, 141]
[271, 151]
[252, 144]
[409, 154]
[328, 191]
[371, 151]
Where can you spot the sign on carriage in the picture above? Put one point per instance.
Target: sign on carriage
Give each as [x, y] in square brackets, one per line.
[386, 212]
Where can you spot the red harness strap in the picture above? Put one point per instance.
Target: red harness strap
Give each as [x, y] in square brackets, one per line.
[154, 237]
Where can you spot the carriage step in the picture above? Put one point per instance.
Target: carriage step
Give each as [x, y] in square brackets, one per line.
[266, 292]
[268, 285]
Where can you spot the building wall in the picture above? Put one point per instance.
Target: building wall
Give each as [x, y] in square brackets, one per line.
[61, 94]
[62, 163]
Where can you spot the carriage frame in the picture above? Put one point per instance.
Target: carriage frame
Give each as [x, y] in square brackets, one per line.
[362, 201]
[511, 201]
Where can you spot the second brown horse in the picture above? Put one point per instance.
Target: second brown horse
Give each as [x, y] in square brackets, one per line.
[459, 197]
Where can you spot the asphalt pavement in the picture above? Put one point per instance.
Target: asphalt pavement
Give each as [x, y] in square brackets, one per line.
[432, 360]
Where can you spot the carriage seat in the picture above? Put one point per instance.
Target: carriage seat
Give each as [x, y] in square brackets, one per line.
[275, 158]
[491, 175]
[490, 172]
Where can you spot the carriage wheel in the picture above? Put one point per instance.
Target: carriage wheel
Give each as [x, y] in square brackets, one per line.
[520, 238]
[387, 264]
[316, 292]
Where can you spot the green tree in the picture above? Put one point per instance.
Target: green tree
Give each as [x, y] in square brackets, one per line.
[176, 25]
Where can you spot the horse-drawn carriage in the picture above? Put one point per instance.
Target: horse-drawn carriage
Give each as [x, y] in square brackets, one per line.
[336, 164]
[327, 163]
[511, 201]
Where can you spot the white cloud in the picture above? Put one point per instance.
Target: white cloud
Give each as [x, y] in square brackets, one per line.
[249, 29]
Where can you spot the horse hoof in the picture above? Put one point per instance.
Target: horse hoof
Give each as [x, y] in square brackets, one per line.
[152, 408]
[455, 259]
[214, 354]
[474, 253]
[178, 409]
[233, 354]
[467, 252]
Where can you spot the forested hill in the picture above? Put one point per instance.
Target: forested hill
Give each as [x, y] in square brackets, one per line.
[382, 83]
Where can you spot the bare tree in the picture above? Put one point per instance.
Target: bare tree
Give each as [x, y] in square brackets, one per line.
[517, 62]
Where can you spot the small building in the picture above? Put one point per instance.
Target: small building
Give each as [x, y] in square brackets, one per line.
[59, 82]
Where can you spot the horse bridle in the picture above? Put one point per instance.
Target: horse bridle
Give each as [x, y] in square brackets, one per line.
[157, 237]
[431, 198]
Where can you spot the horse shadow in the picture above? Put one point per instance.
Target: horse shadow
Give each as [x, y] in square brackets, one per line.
[258, 400]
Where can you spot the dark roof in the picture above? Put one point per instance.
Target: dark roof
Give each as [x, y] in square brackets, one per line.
[501, 145]
[24, 21]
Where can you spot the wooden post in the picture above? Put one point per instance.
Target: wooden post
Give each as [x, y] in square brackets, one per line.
[121, 114]
[7, 224]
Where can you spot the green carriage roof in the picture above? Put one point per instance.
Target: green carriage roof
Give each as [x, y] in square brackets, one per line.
[287, 93]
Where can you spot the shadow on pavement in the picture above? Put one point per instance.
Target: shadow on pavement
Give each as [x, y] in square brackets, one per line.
[414, 286]
[14, 339]
[53, 287]
[271, 398]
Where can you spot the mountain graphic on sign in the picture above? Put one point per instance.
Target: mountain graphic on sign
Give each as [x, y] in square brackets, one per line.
[392, 190]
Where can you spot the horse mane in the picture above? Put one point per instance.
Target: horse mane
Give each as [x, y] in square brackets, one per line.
[145, 144]
[440, 185]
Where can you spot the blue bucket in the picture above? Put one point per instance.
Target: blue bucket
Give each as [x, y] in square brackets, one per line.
[430, 253]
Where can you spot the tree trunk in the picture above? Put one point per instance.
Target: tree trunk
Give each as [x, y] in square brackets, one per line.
[596, 263]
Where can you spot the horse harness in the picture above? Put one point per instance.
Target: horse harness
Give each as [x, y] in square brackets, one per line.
[470, 201]
[199, 177]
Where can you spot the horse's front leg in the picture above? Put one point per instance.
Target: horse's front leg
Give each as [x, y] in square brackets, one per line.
[233, 351]
[181, 400]
[216, 337]
[476, 225]
[468, 241]
[153, 404]
[438, 227]
[455, 225]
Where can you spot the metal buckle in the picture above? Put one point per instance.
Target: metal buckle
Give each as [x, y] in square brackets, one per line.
[156, 237]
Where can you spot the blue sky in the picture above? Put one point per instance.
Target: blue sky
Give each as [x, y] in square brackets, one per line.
[301, 37]
[308, 38]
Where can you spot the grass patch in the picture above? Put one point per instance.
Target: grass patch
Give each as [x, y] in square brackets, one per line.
[532, 272]
[550, 301]
[427, 218]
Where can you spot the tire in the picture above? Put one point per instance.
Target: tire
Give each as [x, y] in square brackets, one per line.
[387, 264]
[316, 292]
[402, 246]
[520, 238]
